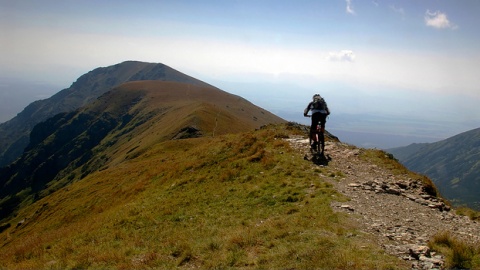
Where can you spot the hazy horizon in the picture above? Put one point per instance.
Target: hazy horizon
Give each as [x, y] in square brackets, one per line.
[405, 69]
[363, 130]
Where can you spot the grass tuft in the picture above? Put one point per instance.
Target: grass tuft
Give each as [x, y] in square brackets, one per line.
[470, 213]
[458, 254]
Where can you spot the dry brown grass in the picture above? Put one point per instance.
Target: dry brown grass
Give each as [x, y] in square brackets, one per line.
[470, 213]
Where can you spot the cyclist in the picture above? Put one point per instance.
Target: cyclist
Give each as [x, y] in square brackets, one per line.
[320, 112]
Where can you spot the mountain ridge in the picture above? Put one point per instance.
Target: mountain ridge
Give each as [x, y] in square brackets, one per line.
[14, 134]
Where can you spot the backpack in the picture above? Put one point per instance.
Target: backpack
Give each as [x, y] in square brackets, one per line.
[319, 104]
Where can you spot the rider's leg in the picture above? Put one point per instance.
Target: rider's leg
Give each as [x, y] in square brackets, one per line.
[323, 119]
[312, 137]
[313, 130]
[322, 140]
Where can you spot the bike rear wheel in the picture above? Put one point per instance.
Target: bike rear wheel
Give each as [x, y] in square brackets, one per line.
[317, 141]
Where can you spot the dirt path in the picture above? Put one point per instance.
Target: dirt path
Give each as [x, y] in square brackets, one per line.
[393, 209]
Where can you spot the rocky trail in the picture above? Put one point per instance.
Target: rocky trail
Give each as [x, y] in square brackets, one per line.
[394, 209]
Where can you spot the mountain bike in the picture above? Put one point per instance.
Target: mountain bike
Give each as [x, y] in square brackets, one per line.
[317, 140]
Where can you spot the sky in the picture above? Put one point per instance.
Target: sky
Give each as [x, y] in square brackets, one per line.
[395, 67]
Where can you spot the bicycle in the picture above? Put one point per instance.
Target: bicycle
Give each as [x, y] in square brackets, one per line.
[318, 138]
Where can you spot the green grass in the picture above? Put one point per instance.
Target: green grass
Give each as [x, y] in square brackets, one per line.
[233, 201]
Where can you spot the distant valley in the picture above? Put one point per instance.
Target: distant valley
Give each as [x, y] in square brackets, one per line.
[16, 94]
[453, 164]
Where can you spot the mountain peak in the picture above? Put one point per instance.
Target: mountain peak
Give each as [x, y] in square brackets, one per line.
[88, 87]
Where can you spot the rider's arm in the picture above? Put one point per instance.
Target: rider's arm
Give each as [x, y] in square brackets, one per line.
[305, 112]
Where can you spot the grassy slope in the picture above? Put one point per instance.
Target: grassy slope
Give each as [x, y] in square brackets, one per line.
[174, 106]
[245, 201]
[147, 112]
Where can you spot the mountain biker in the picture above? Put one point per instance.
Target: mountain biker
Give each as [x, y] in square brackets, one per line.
[320, 112]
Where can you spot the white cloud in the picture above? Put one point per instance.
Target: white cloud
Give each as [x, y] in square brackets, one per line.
[350, 7]
[341, 56]
[438, 20]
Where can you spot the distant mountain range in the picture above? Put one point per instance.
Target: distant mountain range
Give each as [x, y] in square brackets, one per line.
[104, 120]
[453, 164]
[14, 134]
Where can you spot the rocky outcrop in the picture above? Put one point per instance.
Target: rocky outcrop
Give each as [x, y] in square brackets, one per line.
[187, 132]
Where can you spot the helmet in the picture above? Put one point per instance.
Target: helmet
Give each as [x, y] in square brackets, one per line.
[316, 97]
